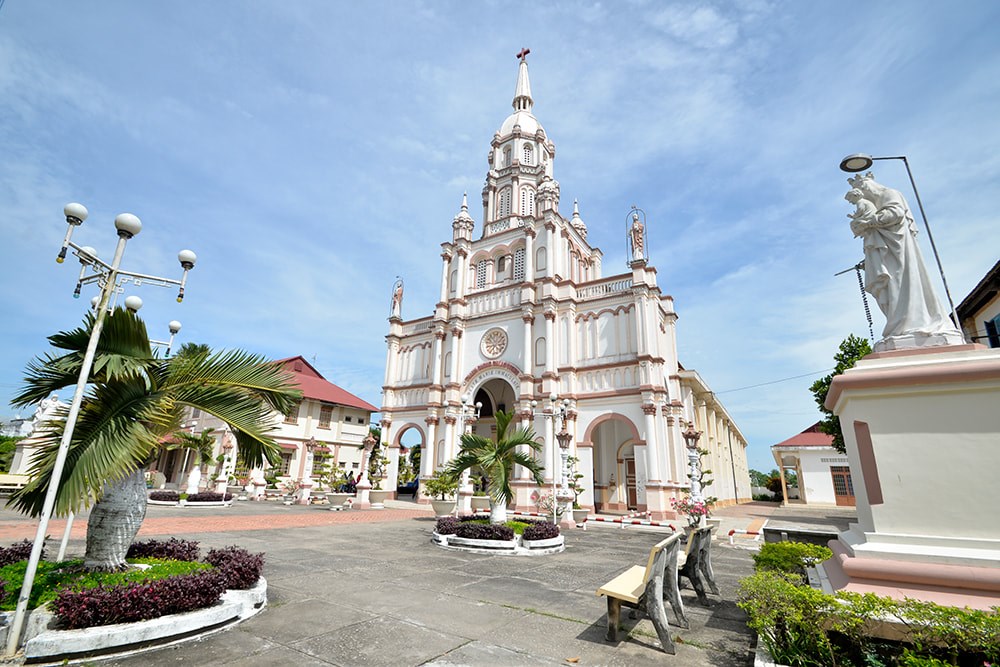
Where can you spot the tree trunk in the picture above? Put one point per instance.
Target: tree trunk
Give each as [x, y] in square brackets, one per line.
[114, 522]
[498, 511]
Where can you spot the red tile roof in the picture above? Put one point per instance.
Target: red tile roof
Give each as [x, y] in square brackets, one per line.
[811, 437]
[316, 387]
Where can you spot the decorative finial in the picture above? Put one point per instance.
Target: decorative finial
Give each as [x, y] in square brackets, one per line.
[522, 53]
[465, 201]
[576, 208]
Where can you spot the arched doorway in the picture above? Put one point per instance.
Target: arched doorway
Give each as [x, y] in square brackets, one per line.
[616, 470]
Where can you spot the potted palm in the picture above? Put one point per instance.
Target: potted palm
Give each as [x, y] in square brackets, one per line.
[335, 480]
[496, 460]
[441, 488]
[480, 494]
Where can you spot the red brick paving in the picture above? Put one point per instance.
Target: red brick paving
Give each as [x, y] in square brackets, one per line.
[18, 530]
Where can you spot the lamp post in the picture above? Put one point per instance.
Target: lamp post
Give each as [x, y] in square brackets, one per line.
[555, 409]
[467, 412]
[175, 327]
[861, 161]
[110, 278]
[691, 438]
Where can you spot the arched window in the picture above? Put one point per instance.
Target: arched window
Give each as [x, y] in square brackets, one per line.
[447, 364]
[453, 282]
[503, 210]
[540, 351]
[506, 157]
[482, 270]
[526, 157]
[527, 201]
[519, 264]
[501, 265]
[540, 259]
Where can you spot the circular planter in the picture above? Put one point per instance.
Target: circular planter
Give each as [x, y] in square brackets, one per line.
[377, 499]
[443, 507]
[579, 516]
[549, 543]
[480, 503]
[337, 499]
[500, 545]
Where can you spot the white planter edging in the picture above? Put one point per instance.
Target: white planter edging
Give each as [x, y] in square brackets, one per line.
[556, 541]
[234, 606]
[501, 547]
[186, 503]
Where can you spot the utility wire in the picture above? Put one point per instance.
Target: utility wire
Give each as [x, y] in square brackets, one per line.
[763, 384]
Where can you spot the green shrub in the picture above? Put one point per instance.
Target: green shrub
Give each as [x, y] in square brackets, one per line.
[788, 618]
[801, 626]
[790, 557]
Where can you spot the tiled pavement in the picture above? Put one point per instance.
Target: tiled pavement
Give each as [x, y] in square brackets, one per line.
[369, 588]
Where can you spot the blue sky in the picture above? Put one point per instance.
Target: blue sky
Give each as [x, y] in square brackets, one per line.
[310, 152]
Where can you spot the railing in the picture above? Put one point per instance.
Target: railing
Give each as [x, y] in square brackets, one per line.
[499, 226]
[602, 289]
[494, 300]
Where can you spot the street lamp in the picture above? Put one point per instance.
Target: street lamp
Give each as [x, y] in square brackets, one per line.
[110, 278]
[467, 412]
[861, 161]
[691, 438]
[175, 327]
[556, 409]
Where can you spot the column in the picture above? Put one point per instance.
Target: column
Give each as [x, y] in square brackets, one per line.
[528, 318]
[550, 347]
[391, 359]
[446, 265]
[449, 437]
[456, 350]
[439, 335]
[652, 455]
[463, 273]
[529, 254]
[429, 454]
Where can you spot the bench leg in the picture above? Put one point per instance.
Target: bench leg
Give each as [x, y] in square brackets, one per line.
[673, 595]
[693, 574]
[706, 571]
[658, 615]
[614, 617]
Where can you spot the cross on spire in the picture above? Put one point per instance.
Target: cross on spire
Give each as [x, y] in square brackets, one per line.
[523, 53]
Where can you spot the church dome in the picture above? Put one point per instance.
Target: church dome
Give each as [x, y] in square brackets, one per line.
[529, 124]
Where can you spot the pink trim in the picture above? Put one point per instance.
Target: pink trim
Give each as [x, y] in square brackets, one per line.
[900, 376]
[953, 585]
[403, 429]
[869, 466]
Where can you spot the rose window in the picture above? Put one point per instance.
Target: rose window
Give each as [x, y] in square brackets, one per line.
[494, 343]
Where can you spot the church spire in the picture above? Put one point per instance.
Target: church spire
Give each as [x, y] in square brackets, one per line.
[522, 92]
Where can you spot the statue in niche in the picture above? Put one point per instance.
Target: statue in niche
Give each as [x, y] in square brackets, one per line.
[637, 234]
[396, 307]
[895, 273]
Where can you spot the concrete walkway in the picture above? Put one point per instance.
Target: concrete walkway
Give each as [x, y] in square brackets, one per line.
[369, 588]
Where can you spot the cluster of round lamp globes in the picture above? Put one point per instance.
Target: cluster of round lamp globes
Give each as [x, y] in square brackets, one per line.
[128, 225]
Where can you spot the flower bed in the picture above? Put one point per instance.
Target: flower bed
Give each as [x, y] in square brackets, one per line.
[203, 499]
[800, 625]
[471, 533]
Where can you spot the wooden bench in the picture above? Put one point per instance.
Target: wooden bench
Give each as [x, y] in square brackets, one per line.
[695, 562]
[640, 587]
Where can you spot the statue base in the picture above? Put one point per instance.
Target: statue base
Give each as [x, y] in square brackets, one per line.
[923, 441]
[918, 341]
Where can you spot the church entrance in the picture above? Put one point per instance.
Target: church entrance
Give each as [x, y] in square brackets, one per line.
[616, 471]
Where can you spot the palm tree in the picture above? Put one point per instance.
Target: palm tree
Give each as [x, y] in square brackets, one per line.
[202, 446]
[496, 459]
[134, 399]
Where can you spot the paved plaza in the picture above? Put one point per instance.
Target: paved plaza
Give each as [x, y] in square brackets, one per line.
[369, 588]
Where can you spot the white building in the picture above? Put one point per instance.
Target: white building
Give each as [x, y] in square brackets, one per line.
[823, 473]
[525, 313]
[329, 423]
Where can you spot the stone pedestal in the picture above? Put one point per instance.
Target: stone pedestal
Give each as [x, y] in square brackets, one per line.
[364, 495]
[922, 428]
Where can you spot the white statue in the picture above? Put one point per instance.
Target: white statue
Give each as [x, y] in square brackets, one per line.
[895, 273]
[397, 299]
[637, 234]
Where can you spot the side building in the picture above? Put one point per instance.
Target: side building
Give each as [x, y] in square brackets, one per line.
[527, 323]
[328, 426]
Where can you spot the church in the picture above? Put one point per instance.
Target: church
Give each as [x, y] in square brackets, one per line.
[527, 323]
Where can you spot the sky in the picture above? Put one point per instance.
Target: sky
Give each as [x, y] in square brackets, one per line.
[310, 152]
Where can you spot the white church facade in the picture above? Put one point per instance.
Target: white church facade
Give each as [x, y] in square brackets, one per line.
[527, 323]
